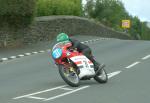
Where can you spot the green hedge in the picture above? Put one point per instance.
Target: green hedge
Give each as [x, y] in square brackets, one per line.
[59, 7]
[17, 13]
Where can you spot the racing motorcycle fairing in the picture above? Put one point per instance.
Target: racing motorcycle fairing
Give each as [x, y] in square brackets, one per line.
[85, 66]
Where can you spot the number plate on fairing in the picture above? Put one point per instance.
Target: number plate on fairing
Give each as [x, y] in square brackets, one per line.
[85, 65]
[56, 53]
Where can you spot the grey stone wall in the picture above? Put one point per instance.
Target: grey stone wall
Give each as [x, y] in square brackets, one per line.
[47, 27]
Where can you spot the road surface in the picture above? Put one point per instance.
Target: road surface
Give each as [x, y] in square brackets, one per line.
[34, 78]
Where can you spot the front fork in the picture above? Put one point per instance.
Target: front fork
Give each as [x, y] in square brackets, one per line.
[71, 67]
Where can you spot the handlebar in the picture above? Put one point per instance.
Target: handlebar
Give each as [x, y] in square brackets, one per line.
[71, 49]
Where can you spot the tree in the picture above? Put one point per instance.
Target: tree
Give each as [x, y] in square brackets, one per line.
[145, 31]
[109, 12]
[89, 9]
[136, 27]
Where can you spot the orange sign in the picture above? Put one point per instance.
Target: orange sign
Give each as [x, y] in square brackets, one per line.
[126, 23]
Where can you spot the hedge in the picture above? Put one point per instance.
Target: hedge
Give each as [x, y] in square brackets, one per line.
[59, 7]
[17, 13]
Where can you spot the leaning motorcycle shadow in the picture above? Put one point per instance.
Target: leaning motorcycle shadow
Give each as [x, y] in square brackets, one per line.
[82, 83]
[90, 82]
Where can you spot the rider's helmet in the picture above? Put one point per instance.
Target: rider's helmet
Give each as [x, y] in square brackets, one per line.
[62, 37]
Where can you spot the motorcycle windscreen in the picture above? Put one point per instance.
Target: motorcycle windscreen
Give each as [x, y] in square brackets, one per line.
[84, 64]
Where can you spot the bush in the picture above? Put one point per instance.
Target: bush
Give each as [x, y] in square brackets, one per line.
[16, 13]
[59, 7]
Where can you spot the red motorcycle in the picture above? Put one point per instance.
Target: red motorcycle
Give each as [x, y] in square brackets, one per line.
[74, 66]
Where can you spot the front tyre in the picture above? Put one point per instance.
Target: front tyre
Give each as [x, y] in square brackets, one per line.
[69, 76]
[101, 77]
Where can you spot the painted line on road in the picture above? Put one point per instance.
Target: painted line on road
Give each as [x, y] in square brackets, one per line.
[42, 51]
[12, 57]
[66, 88]
[27, 54]
[40, 92]
[110, 75]
[86, 41]
[132, 65]
[67, 93]
[4, 59]
[146, 57]
[21, 55]
[34, 52]
[32, 97]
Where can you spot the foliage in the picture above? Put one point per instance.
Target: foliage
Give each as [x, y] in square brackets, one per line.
[16, 13]
[145, 31]
[59, 7]
[111, 13]
[20, 13]
[135, 29]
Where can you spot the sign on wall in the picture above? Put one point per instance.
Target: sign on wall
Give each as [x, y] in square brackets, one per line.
[126, 24]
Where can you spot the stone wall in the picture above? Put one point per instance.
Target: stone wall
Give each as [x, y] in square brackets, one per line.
[47, 27]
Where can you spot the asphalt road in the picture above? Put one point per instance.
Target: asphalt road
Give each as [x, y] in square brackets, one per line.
[34, 79]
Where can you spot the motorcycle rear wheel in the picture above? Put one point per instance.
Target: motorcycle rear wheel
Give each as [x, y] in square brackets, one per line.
[70, 77]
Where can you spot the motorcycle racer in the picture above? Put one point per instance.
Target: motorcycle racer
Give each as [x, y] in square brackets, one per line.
[80, 47]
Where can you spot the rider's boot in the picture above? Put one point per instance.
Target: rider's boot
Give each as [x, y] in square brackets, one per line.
[98, 66]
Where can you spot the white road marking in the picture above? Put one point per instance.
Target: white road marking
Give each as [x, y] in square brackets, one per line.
[42, 51]
[32, 97]
[34, 52]
[40, 92]
[4, 59]
[27, 53]
[146, 57]
[21, 55]
[130, 66]
[58, 96]
[13, 57]
[110, 75]
[66, 88]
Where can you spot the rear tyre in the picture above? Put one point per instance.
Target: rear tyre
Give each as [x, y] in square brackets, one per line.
[70, 77]
[101, 77]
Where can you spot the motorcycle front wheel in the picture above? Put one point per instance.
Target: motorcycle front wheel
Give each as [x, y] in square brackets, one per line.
[69, 75]
[101, 77]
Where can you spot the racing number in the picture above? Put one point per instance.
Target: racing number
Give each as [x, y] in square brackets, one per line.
[86, 64]
[57, 53]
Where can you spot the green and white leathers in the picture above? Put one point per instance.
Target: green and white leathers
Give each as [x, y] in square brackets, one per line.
[62, 37]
